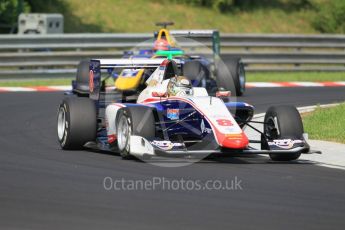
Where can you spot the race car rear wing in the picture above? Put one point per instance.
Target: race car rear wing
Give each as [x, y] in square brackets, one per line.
[135, 63]
[96, 65]
[202, 34]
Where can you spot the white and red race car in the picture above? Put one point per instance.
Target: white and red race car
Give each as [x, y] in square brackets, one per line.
[159, 123]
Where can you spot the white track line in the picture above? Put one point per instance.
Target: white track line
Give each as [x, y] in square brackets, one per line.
[60, 87]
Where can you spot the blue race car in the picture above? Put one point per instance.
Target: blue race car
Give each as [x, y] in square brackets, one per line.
[208, 72]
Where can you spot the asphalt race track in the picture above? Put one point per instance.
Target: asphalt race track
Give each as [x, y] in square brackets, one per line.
[43, 187]
[262, 98]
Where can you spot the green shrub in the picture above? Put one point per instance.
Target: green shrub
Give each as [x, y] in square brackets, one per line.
[231, 5]
[9, 10]
[330, 17]
[8, 13]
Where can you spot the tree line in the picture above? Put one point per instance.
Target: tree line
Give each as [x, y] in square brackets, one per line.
[330, 14]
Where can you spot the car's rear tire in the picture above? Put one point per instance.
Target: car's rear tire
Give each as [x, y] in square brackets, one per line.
[82, 78]
[231, 76]
[283, 122]
[77, 122]
[136, 120]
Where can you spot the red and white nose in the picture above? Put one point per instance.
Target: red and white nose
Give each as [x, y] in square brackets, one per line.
[234, 141]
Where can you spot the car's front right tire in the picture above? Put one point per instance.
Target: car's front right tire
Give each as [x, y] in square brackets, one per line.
[283, 122]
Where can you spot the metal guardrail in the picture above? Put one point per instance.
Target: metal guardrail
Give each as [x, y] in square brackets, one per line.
[62, 41]
[58, 54]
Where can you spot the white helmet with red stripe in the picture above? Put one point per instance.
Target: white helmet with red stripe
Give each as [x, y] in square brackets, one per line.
[179, 86]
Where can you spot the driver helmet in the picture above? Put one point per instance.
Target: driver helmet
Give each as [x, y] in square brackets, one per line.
[161, 44]
[179, 86]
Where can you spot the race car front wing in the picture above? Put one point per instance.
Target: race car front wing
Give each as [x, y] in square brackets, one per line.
[142, 147]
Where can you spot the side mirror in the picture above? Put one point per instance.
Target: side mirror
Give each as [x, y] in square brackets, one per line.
[159, 94]
[223, 94]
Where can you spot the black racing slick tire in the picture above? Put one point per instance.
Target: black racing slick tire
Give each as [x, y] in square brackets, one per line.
[283, 122]
[82, 78]
[136, 120]
[76, 123]
[231, 76]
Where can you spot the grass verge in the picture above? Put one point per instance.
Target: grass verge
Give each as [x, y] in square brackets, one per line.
[36, 82]
[295, 76]
[326, 124]
[140, 16]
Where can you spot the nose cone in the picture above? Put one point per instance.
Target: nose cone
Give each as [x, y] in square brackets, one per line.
[235, 141]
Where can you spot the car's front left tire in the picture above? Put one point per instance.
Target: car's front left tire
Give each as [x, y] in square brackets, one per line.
[136, 120]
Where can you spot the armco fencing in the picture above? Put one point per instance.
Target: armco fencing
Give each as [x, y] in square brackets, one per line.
[57, 55]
